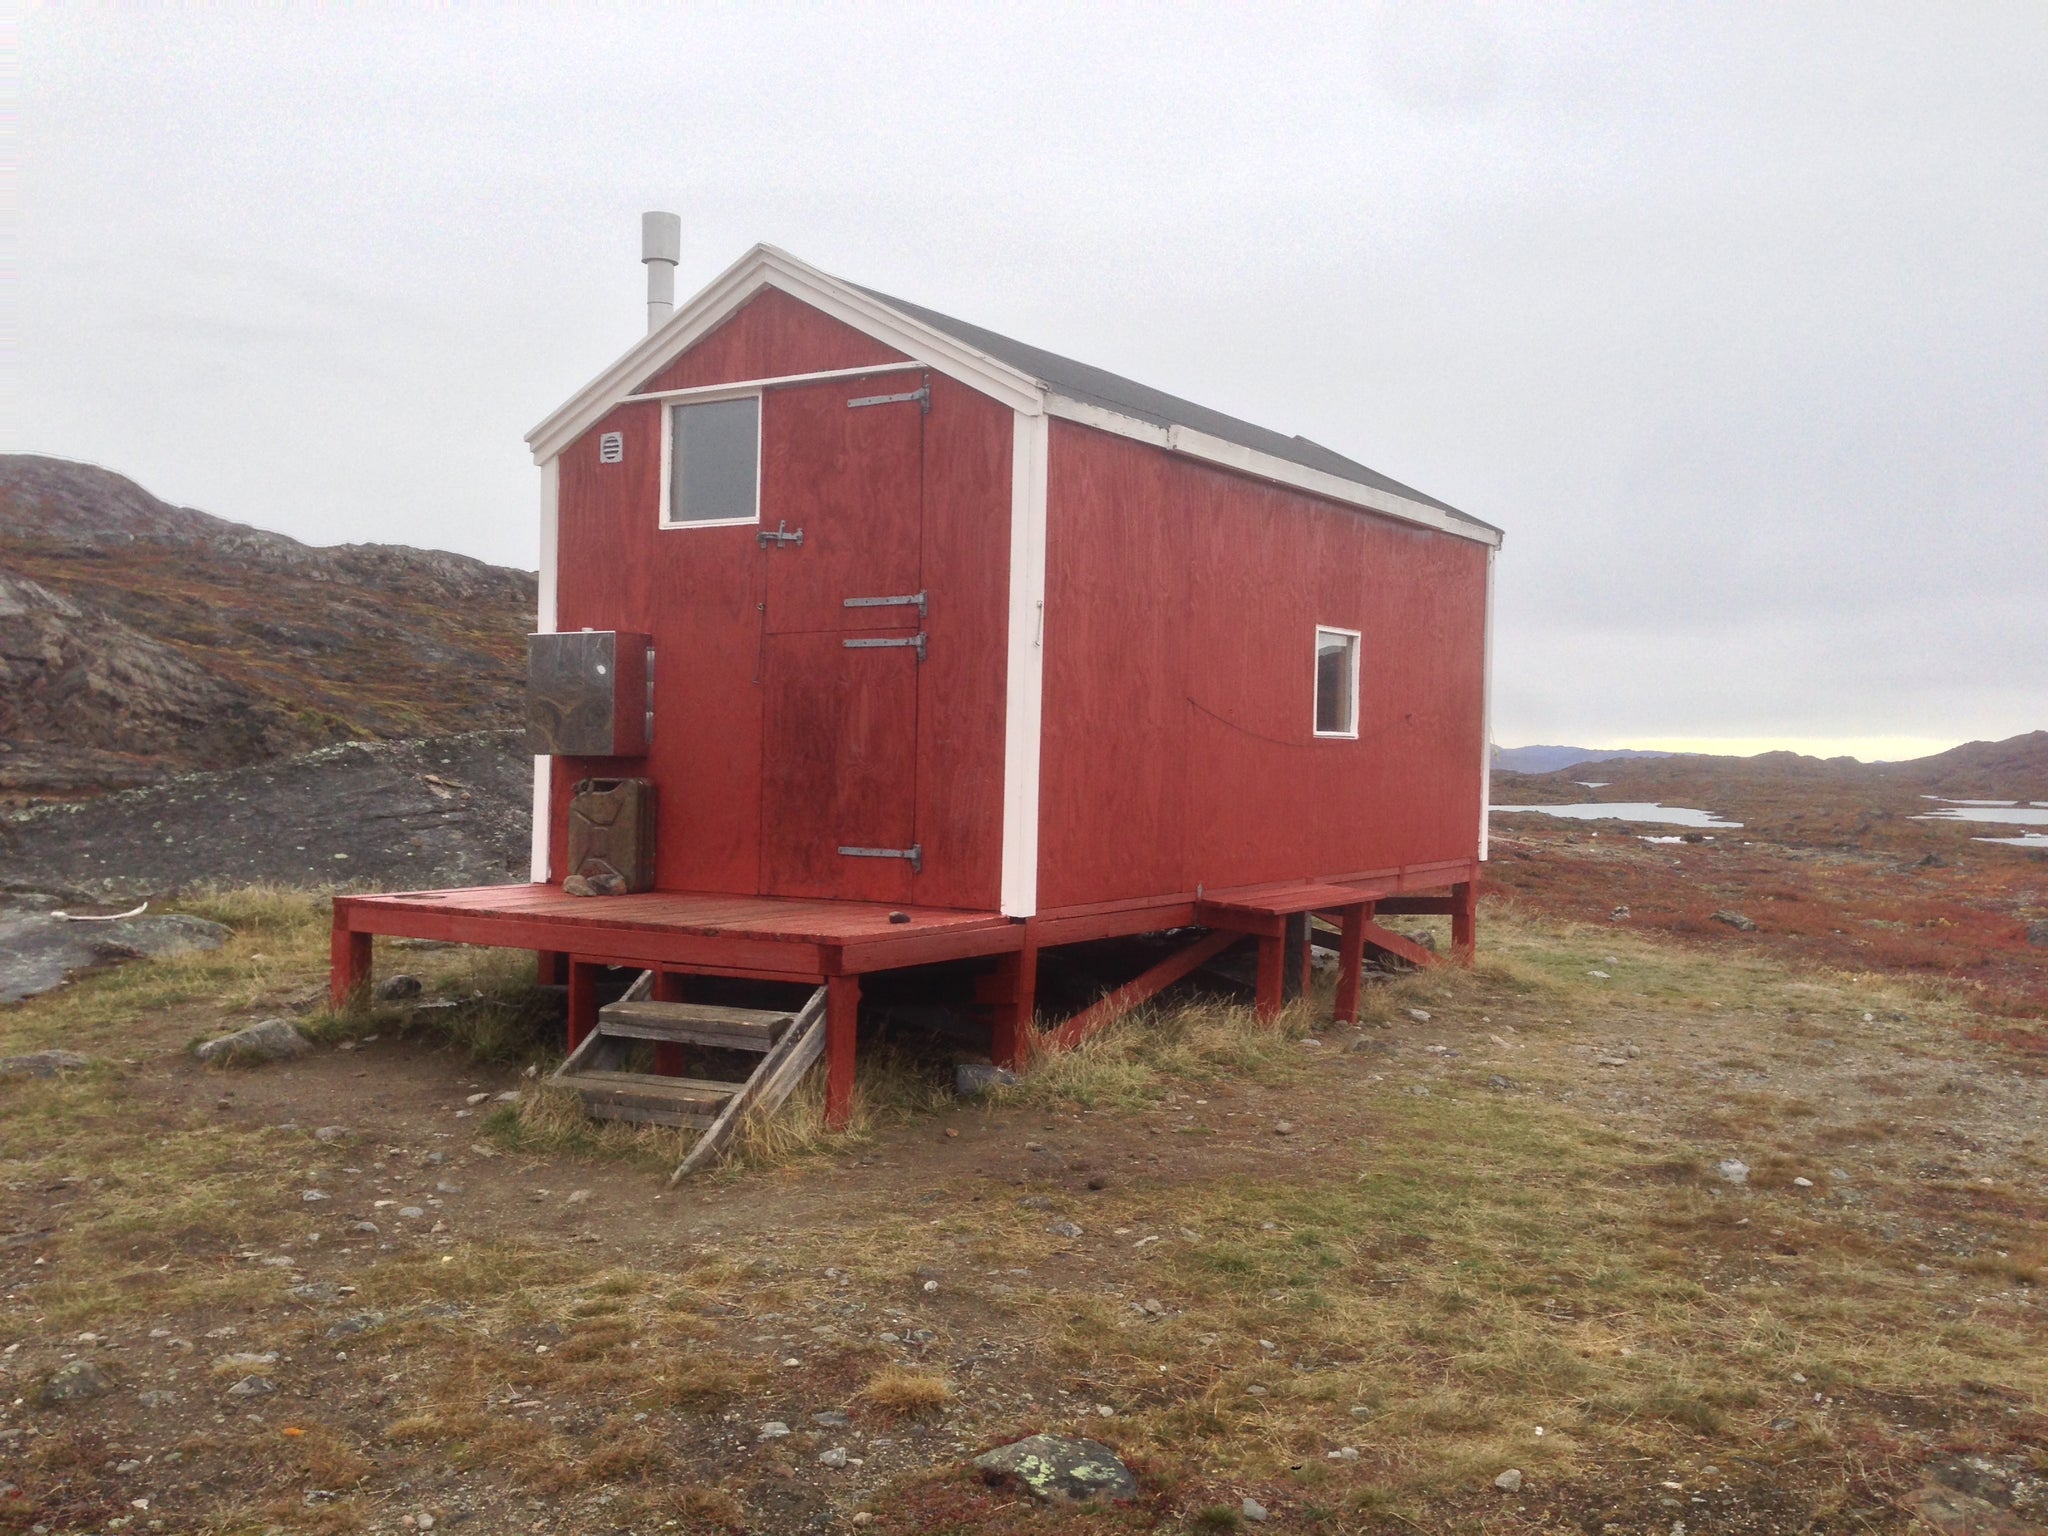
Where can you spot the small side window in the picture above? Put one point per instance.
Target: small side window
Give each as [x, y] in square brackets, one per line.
[714, 463]
[1337, 682]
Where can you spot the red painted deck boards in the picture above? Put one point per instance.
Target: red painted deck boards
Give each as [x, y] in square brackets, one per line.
[710, 933]
[704, 913]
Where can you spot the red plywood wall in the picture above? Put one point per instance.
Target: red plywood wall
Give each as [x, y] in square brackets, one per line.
[697, 592]
[1181, 609]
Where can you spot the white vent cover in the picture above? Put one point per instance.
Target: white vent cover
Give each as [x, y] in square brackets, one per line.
[611, 448]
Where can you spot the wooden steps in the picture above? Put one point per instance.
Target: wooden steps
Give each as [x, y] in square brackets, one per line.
[730, 1029]
[786, 1044]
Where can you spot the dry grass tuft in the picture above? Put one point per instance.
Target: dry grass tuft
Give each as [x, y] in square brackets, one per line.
[903, 1394]
[431, 1428]
[1130, 1064]
[550, 1121]
[889, 1086]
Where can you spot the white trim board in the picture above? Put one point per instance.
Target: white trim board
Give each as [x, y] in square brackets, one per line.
[1486, 713]
[780, 381]
[1024, 675]
[1189, 443]
[1357, 639]
[544, 622]
[925, 346]
[667, 438]
[766, 267]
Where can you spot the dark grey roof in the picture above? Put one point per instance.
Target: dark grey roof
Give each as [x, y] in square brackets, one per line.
[1097, 386]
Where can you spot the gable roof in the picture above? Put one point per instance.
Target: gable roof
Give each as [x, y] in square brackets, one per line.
[1098, 386]
[1027, 378]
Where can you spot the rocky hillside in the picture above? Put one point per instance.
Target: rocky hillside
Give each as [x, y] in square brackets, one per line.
[139, 639]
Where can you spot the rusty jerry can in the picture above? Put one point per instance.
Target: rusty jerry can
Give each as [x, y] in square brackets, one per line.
[611, 837]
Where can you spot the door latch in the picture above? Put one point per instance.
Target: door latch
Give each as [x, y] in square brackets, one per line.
[779, 534]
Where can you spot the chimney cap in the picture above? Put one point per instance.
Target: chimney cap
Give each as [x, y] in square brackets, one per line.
[661, 237]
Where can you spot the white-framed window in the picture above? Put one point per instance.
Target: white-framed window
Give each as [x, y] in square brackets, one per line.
[711, 463]
[1336, 682]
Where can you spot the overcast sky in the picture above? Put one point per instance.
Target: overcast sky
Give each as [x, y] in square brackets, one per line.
[1736, 318]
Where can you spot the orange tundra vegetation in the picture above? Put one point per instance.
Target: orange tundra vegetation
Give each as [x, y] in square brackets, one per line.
[1831, 863]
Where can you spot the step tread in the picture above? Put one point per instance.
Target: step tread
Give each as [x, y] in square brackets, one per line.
[652, 1084]
[696, 1023]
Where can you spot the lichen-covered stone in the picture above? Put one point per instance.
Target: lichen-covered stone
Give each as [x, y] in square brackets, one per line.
[42, 1064]
[77, 1382]
[271, 1040]
[1060, 1470]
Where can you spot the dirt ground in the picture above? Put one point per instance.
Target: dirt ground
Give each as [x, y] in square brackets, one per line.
[1351, 1276]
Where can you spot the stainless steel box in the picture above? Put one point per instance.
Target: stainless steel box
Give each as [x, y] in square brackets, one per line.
[589, 693]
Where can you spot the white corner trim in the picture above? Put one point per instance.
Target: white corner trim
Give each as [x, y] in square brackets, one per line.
[1486, 713]
[544, 623]
[1025, 673]
[766, 267]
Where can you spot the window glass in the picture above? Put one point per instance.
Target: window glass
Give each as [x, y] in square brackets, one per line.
[714, 461]
[1336, 683]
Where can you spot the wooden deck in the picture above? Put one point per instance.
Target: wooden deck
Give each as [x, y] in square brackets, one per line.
[760, 936]
[678, 934]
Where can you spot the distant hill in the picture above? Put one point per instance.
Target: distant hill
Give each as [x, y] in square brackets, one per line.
[1818, 802]
[139, 639]
[1552, 759]
[2015, 768]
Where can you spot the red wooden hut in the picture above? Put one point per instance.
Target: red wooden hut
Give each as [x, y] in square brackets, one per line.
[928, 644]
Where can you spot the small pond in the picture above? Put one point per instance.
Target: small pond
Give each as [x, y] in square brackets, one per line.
[1620, 810]
[2009, 812]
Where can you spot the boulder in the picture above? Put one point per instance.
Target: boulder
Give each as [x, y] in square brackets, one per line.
[39, 952]
[168, 933]
[271, 1040]
[972, 1078]
[1736, 920]
[77, 1382]
[42, 1064]
[1060, 1470]
[395, 989]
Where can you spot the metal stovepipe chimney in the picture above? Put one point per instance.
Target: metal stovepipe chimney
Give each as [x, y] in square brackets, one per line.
[661, 247]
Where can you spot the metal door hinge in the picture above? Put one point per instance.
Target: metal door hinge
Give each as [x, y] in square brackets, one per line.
[914, 853]
[779, 534]
[890, 602]
[916, 641]
[922, 395]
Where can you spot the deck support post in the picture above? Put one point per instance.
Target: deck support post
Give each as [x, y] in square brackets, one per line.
[842, 1022]
[348, 976]
[1294, 980]
[1351, 961]
[1465, 920]
[582, 1000]
[1270, 996]
[1016, 982]
[550, 967]
[669, 987]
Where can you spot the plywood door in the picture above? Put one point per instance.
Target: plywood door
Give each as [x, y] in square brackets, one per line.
[839, 732]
